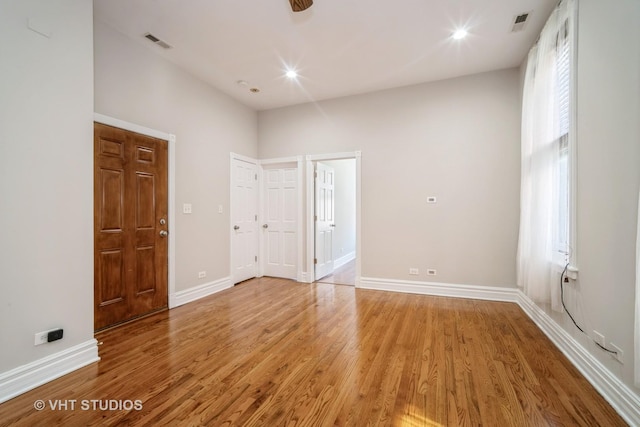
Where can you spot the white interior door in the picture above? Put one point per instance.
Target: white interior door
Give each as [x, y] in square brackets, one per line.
[244, 220]
[324, 220]
[280, 222]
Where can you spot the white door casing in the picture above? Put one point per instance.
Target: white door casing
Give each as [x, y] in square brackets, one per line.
[324, 220]
[244, 219]
[280, 225]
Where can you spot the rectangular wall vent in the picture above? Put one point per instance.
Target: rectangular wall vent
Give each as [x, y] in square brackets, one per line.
[519, 22]
[157, 41]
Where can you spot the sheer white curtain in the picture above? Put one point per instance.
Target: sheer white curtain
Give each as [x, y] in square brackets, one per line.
[545, 130]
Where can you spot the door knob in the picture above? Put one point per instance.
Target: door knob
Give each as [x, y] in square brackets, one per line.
[236, 227]
[265, 225]
[163, 221]
[332, 225]
[164, 233]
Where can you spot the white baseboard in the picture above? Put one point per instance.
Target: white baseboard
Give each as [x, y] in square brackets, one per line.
[620, 396]
[34, 374]
[344, 259]
[441, 289]
[197, 292]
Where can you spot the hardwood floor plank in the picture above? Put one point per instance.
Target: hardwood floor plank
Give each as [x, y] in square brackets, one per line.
[274, 352]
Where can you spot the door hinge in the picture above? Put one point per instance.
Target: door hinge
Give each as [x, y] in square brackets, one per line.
[315, 174]
[256, 258]
[315, 217]
[256, 216]
[256, 177]
[315, 260]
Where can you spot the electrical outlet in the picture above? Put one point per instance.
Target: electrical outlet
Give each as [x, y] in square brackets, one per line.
[414, 271]
[43, 337]
[619, 355]
[186, 208]
[219, 209]
[431, 272]
[599, 338]
[202, 275]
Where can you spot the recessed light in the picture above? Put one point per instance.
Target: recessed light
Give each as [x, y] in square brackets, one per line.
[460, 34]
[291, 74]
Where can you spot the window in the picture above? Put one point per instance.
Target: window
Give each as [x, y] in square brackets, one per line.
[562, 91]
[562, 237]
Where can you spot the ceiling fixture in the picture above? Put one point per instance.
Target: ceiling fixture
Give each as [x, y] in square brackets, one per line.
[300, 5]
[157, 41]
[244, 83]
[460, 34]
[291, 74]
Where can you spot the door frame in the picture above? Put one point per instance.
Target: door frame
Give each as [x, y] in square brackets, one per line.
[310, 160]
[297, 160]
[171, 139]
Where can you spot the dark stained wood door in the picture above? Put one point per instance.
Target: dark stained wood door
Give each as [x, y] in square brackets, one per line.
[130, 225]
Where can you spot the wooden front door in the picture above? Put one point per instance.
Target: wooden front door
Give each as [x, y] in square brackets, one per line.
[130, 225]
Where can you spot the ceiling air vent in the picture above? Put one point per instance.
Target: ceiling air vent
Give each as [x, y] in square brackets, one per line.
[519, 22]
[157, 41]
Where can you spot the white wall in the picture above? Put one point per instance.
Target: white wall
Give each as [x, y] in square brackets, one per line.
[608, 155]
[456, 139]
[344, 234]
[46, 170]
[134, 84]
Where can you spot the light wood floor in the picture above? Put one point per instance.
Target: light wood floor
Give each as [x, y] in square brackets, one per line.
[273, 352]
[344, 275]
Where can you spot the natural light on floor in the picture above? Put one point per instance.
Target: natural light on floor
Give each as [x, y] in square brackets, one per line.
[409, 420]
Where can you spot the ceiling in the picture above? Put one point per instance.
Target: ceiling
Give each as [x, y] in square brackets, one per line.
[338, 47]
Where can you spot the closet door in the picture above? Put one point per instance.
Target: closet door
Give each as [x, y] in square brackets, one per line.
[280, 225]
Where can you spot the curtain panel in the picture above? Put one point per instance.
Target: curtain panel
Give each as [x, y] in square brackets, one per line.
[546, 113]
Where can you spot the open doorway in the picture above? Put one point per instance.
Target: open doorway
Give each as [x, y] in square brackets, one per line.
[342, 202]
[333, 204]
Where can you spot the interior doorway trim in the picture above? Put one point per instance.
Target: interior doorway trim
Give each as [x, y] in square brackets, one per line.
[310, 159]
[111, 121]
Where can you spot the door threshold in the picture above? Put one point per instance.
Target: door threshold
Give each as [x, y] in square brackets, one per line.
[126, 322]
